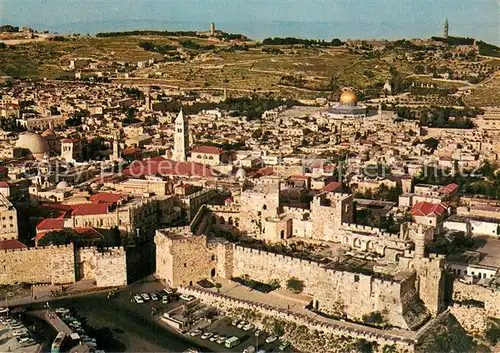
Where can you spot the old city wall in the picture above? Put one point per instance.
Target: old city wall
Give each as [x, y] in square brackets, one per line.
[472, 319]
[226, 304]
[490, 297]
[107, 267]
[334, 291]
[53, 264]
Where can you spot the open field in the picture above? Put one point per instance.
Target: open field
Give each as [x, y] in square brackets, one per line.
[291, 71]
[487, 94]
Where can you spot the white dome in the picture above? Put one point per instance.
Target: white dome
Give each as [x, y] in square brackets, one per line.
[240, 174]
[62, 185]
[37, 145]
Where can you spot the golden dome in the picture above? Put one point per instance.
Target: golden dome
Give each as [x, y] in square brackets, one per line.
[348, 97]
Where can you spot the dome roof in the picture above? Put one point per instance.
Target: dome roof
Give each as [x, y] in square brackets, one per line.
[348, 97]
[240, 174]
[48, 133]
[33, 142]
[62, 185]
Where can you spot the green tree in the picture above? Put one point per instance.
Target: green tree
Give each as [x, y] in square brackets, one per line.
[295, 285]
[58, 237]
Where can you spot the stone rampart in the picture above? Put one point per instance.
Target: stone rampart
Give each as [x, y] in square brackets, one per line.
[64, 264]
[51, 264]
[489, 296]
[334, 291]
[107, 267]
[224, 302]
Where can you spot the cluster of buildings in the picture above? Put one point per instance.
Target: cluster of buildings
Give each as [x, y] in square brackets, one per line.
[100, 160]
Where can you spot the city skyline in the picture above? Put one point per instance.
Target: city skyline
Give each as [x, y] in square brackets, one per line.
[259, 19]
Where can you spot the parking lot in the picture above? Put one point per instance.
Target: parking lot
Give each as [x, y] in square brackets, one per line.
[118, 323]
[15, 335]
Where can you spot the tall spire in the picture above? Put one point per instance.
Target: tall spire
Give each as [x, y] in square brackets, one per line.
[446, 28]
[181, 138]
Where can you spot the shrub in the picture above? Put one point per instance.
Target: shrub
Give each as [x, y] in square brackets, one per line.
[295, 285]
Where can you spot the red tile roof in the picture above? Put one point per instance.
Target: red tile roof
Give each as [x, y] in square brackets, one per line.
[4, 184]
[428, 209]
[131, 150]
[11, 244]
[87, 209]
[106, 197]
[448, 189]
[208, 150]
[50, 223]
[331, 187]
[162, 166]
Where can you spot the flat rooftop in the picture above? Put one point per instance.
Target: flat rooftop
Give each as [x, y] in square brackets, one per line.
[490, 248]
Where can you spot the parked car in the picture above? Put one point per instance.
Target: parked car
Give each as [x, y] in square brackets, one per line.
[284, 345]
[186, 297]
[271, 339]
[164, 299]
[206, 335]
[258, 333]
[248, 327]
[145, 296]
[249, 349]
[154, 297]
[241, 324]
[214, 338]
[138, 299]
[222, 340]
[195, 333]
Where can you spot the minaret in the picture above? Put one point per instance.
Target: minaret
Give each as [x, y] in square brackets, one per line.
[446, 28]
[181, 139]
[116, 147]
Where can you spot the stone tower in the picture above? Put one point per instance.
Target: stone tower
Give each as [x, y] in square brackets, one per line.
[116, 147]
[181, 139]
[446, 28]
[68, 150]
[212, 29]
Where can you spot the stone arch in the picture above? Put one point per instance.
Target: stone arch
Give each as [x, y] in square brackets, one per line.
[397, 257]
[369, 245]
[222, 220]
[230, 220]
[212, 273]
[213, 219]
[356, 243]
[236, 222]
[282, 234]
[345, 240]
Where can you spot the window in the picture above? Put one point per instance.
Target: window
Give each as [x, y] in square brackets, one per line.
[185, 264]
[213, 257]
[356, 278]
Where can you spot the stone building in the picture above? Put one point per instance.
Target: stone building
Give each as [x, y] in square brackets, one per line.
[8, 220]
[64, 264]
[183, 259]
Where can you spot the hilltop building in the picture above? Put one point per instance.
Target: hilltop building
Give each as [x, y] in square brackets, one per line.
[347, 107]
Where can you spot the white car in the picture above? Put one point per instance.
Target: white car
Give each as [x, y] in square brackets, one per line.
[145, 296]
[195, 333]
[241, 324]
[21, 332]
[138, 299]
[186, 297]
[248, 327]
[206, 335]
[271, 339]
[214, 338]
[154, 296]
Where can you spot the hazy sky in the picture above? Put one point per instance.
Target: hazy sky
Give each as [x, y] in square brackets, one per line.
[481, 17]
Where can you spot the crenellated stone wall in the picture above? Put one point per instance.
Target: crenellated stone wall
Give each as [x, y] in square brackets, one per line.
[52, 264]
[489, 296]
[336, 292]
[107, 267]
[63, 265]
[227, 304]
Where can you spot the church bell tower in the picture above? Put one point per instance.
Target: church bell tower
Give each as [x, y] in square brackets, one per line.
[181, 139]
[446, 28]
